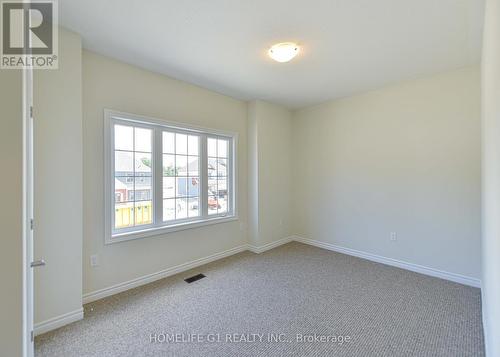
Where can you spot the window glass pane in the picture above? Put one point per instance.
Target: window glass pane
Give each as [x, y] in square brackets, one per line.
[124, 188]
[223, 202]
[212, 167]
[124, 137]
[142, 139]
[181, 208]
[133, 176]
[142, 189]
[168, 143]
[181, 165]
[143, 164]
[217, 171]
[169, 165]
[193, 166]
[222, 148]
[120, 190]
[124, 215]
[193, 204]
[222, 195]
[212, 187]
[168, 187]
[181, 176]
[193, 186]
[212, 147]
[222, 167]
[193, 145]
[169, 210]
[181, 144]
[124, 163]
[222, 187]
[143, 213]
[181, 186]
[213, 205]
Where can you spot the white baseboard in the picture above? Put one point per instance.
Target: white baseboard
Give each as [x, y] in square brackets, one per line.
[118, 288]
[457, 278]
[263, 248]
[76, 315]
[58, 321]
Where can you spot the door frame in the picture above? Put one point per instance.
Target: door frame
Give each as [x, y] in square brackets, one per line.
[28, 193]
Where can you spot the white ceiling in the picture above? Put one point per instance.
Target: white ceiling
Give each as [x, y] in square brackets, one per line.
[348, 46]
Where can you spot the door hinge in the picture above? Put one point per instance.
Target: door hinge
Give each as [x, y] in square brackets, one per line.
[31, 111]
[32, 224]
[32, 336]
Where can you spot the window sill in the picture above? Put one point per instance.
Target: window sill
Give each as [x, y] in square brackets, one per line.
[150, 232]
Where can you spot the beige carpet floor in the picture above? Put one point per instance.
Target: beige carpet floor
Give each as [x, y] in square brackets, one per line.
[294, 300]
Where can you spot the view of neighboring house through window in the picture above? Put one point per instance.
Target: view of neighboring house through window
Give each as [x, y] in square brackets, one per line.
[217, 150]
[133, 176]
[181, 176]
[165, 176]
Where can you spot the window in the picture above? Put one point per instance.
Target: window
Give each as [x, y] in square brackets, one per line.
[163, 177]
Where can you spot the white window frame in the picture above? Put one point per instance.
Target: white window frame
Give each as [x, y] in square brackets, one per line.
[158, 227]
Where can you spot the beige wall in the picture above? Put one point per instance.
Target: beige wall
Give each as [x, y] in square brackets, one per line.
[491, 177]
[111, 84]
[270, 180]
[402, 159]
[57, 108]
[11, 254]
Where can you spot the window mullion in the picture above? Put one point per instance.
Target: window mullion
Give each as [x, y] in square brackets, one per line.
[157, 177]
[204, 176]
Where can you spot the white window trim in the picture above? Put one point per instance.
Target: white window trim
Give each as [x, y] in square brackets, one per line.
[157, 229]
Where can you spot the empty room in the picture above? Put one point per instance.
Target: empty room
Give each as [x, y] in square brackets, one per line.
[250, 178]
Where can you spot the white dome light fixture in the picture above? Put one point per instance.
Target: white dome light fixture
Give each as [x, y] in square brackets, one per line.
[283, 52]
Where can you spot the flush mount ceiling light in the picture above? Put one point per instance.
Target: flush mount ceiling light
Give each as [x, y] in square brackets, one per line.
[283, 52]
